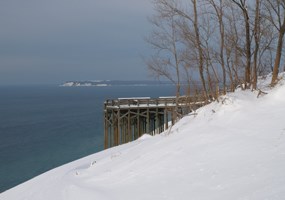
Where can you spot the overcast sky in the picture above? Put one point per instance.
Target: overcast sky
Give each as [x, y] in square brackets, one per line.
[52, 41]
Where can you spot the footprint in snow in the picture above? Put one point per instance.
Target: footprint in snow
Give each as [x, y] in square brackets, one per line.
[115, 155]
[93, 163]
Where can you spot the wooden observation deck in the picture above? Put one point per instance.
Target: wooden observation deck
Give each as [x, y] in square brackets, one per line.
[126, 119]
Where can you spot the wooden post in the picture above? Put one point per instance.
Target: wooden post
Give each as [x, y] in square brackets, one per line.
[147, 120]
[161, 119]
[166, 118]
[113, 138]
[142, 125]
[129, 126]
[138, 123]
[119, 128]
[156, 128]
[106, 132]
[115, 133]
[124, 131]
[172, 116]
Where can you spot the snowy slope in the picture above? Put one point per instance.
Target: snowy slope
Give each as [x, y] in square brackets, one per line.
[232, 149]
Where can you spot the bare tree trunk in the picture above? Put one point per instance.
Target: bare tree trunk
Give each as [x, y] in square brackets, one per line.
[276, 16]
[277, 58]
[231, 76]
[257, 40]
[178, 85]
[220, 14]
[222, 32]
[278, 54]
[242, 5]
[248, 51]
[200, 50]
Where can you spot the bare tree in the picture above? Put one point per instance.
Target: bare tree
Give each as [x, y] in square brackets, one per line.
[233, 49]
[189, 20]
[276, 15]
[219, 11]
[199, 47]
[164, 39]
[244, 8]
[266, 46]
[216, 41]
[257, 42]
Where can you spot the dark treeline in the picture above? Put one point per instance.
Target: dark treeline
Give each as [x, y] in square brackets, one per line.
[226, 43]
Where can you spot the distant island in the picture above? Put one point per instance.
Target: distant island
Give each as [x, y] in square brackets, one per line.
[105, 83]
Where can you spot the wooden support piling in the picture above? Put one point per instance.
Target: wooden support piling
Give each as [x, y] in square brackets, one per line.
[126, 120]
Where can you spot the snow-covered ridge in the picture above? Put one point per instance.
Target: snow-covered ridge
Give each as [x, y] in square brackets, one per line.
[231, 149]
[85, 84]
[104, 83]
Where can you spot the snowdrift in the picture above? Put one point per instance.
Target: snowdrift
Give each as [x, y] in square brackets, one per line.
[232, 149]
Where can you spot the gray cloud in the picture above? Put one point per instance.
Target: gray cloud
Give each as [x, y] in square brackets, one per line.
[57, 40]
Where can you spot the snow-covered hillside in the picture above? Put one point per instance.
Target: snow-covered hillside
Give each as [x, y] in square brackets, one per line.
[232, 149]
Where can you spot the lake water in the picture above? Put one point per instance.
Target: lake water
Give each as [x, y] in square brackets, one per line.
[43, 127]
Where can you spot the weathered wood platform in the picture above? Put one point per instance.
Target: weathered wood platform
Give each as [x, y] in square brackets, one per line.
[126, 119]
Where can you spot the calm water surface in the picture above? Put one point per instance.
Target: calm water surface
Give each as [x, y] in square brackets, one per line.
[42, 127]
